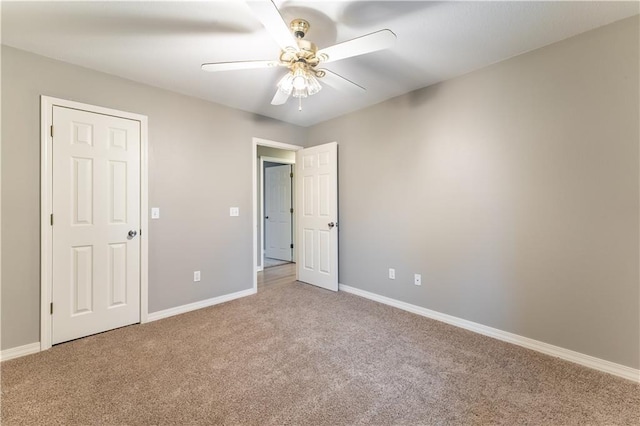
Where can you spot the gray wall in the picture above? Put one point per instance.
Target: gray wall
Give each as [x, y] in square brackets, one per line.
[200, 160]
[513, 190]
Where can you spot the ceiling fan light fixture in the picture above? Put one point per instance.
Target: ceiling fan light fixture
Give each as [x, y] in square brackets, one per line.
[299, 82]
[299, 93]
[313, 85]
[285, 85]
[299, 79]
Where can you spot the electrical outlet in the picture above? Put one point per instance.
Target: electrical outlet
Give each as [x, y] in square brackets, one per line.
[392, 274]
[417, 279]
[196, 276]
[234, 211]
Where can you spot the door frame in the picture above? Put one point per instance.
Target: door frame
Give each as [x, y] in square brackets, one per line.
[284, 162]
[46, 206]
[254, 202]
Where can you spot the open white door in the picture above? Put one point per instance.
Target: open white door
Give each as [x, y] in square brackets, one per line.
[277, 207]
[317, 204]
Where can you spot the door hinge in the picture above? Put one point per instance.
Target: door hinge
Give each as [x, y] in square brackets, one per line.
[291, 210]
[141, 232]
[291, 175]
[51, 308]
[291, 245]
[51, 219]
[51, 130]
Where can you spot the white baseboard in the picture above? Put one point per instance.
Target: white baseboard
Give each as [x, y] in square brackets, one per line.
[545, 348]
[154, 316]
[19, 351]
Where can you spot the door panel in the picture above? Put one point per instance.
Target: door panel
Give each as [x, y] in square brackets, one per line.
[117, 274]
[82, 277]
[324, 248]
[307, 246]
[117, 192]
[317, 222]
[82, 191]
[96, 202]
[278, 214]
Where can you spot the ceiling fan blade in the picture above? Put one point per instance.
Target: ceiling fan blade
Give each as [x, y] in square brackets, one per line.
[379, 40]
[340, 83]
[280, 98]
[267, 12]
[239, 65]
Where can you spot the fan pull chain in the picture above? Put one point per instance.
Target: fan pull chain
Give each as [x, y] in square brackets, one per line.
[300, 103]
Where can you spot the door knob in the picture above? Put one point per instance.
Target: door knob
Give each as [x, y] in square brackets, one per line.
[132, 233]
[331, 225]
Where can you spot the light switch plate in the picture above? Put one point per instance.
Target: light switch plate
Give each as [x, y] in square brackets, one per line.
[234, 211]
[155, 213]
[417, 279]
[392, 274]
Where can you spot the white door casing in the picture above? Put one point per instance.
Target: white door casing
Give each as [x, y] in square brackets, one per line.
[94, 183]
[258, 201]
[317, 207]
[278, 214]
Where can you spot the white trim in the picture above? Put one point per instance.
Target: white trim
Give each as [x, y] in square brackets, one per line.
[274, 144]
[154, 316]
[261, 217]
[264, 158]
[277, 160]
[46, 207]
[254, 194]
[46, 233]
[545, 348]
[19, 351]
[144, 219]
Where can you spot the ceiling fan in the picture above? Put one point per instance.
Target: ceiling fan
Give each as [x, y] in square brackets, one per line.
[302, 57]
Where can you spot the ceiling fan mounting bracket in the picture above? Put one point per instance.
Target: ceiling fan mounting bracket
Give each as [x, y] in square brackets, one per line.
[299, 27]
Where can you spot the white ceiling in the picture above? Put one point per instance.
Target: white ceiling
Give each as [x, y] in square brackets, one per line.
[164, 43]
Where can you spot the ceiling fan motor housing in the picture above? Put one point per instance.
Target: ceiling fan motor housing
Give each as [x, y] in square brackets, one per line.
[306, 54]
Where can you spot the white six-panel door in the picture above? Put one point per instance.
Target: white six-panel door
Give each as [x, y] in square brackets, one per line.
[96, 203]
[277, 197]
[317, 204]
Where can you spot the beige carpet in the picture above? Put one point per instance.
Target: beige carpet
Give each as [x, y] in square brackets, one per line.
[296, 354]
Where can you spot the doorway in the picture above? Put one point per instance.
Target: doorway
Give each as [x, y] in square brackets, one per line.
[278, 153]
[93, 199]
[278, 211]
[316, 201]
[268, 154]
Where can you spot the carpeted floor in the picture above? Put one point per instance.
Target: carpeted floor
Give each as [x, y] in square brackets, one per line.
[296, 354]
